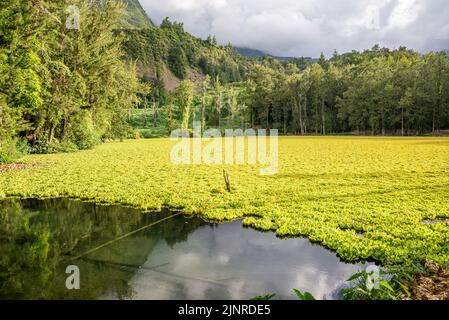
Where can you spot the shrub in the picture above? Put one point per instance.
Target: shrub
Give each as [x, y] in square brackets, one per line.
[43, 147]
[23, 147]
[67, 147]
[8, 151]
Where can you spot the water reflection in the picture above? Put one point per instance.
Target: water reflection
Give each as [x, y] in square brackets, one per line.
[230, 262]
[178, 258]
[38, 240]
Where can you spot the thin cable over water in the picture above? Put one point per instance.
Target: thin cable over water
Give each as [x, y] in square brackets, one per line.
[124, 236]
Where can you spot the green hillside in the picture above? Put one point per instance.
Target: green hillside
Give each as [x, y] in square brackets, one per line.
[170, 54]
[136, 17]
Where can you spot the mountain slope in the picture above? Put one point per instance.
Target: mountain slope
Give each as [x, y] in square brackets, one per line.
[170, 54]
[136, 16]
[251, 53]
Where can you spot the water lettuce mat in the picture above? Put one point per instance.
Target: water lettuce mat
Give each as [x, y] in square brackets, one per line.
[364, 198]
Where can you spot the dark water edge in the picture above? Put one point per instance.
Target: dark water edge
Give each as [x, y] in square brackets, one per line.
[172, 257]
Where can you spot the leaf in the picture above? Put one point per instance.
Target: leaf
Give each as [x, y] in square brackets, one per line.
[357, 276]
[385, 284]
[306, 296]
[263, 298]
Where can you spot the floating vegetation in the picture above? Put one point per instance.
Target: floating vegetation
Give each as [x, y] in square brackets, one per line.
[329, 190]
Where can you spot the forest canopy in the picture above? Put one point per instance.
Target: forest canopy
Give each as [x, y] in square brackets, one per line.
[376, 92]
[64, 82]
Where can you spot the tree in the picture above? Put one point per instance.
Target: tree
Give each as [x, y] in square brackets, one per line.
[233, 105]
[218, 101]
[184, 95]
[64, 85]
[260, 85]
[316, 96]
[323, 62]
[101, 86]
[169, 114]
[177, 62]
[205, 87]
[158, 99]
[21, 72]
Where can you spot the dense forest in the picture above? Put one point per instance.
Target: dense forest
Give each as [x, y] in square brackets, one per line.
[375, 92]
[64, 85]
[117, 76]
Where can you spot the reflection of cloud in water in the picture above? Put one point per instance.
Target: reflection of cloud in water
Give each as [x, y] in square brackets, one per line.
[230, 262]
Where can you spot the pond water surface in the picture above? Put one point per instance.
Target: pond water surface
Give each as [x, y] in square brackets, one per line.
[176, 258]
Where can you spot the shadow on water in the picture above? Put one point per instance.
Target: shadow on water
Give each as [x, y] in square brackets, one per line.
[175, 258]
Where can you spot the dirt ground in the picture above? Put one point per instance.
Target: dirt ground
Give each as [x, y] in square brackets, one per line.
[433, 287]
[17, 166]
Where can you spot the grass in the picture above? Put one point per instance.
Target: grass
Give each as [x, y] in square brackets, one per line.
[364, 198]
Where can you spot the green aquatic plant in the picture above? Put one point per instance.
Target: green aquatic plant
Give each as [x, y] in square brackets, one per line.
[264, 298]
[306, 296]
[363, 198]
[392, 283]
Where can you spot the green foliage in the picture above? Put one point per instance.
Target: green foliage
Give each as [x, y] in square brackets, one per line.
[373, 92]
[170, 46]
[135, 16]
[264, 298]
[393, 283]
[306, 296]
[184, 95]
[363, 198]
[360, 289]
[21, 86]
[8, 152]
[65, 89]
[177, 62]
[23, 147]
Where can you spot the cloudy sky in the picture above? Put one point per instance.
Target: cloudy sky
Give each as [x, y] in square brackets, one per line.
[307, 27]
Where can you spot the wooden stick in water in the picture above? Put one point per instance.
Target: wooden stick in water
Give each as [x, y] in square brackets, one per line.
[226, 177]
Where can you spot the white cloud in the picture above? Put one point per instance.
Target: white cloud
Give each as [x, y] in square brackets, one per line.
[404, 13]
[307, 27]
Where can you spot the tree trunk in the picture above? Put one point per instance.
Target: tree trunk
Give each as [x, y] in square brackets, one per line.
[285, 121]
[252, 118]
[203, 116]
[305, 116]
[268, 117]
[145, 103]
[301, 122]
[154, 113]
[402, 121]
[51, 134]
[64, 128]
[433, 121]
[323, 118]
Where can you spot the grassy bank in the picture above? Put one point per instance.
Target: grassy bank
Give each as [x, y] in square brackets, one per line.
[365, 198]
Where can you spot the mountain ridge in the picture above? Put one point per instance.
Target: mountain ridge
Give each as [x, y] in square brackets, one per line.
[256, 53]
[136, 16]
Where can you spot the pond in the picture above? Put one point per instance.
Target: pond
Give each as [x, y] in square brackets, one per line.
[122, 253]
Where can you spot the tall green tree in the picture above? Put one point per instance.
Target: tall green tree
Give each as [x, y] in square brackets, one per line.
[22, 73]
[205, 87]
[184, 95]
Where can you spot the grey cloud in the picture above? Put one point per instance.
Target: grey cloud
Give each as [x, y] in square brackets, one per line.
[307, 27]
